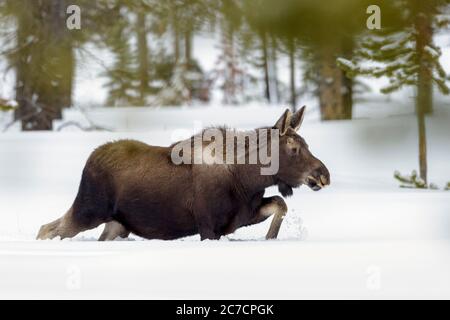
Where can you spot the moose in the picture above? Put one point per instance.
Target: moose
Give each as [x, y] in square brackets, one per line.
[136, 188]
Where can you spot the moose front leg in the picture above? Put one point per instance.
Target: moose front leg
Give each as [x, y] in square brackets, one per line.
[267, 207]
[205, 221]
[271, 206]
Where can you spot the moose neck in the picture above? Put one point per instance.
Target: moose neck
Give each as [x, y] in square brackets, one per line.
[253, 176]
[251, 179]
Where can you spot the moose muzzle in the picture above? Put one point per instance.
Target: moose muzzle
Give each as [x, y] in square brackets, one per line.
[318, 179]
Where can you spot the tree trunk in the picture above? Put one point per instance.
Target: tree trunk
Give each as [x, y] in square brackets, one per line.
[330, 86]
[65, 69]
[273, 71]
[265, 57]
[24, 87]
[188, 46]
[176, 35]
[142, 56]
[424, 91]
[348, 98]
[424, 37]
[291, 52]
[45, 67]
[176, 45]
[348, 47]
[67, 80]
[422, 144]
[230, 72]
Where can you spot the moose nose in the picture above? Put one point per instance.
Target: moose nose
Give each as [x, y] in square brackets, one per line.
[322, 176]
[325, 180]
[319, 177]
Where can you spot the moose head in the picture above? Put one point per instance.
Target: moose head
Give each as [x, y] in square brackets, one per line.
[297, 164]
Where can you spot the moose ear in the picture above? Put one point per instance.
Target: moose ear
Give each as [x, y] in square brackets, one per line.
[297, 118]
[284, 122]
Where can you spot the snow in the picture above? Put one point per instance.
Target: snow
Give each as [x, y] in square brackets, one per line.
[229, 270]
[346, 63]
[434, 54]
[363, 237]
[389, 47]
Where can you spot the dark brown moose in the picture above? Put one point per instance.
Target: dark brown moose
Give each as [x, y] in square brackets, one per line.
[134, 187]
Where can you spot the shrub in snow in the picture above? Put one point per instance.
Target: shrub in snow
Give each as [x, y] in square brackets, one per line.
[413, 181]
[7, 105]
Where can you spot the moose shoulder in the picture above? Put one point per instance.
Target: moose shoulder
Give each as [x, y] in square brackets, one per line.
[137, 188]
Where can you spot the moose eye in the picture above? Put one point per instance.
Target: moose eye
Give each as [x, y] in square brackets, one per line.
[294, 151]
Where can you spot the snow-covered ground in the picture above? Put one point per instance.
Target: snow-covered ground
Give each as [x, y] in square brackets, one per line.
[363, 237]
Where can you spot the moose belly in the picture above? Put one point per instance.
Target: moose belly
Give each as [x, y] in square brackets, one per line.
[156, 220]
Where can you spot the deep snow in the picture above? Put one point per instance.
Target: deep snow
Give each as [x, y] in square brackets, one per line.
[362, 237]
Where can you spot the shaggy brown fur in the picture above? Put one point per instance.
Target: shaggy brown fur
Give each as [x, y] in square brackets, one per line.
[142, 191]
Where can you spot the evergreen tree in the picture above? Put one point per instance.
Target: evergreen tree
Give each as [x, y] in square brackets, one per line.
[262, 44]
[180, 21]
[228, 71]
[327, 32]
[323, 31]
[43, 60]
[123, 84]
[407, 56]
[143, 56]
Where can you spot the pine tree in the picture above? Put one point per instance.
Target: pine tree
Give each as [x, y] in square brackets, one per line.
[334, 87]
[323, 31]
[181, 75]
[143, 56]
[177, 91]
[261, 46]
[401, 57]
[407, 57]
[274, 24]
[43, 60]
[228, 72]
[123, 84]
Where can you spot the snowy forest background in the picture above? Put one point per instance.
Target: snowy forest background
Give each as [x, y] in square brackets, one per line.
[155, 53]
[203, 52]
[378, 116]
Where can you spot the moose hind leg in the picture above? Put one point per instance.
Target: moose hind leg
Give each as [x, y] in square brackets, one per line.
[64, 227]
[113, 230]
[76, 220]
[91, 208]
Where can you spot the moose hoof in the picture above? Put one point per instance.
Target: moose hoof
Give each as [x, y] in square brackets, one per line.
[48, 231]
